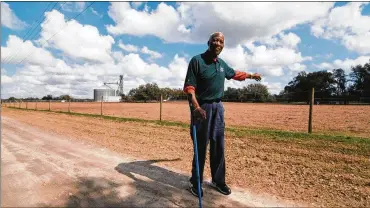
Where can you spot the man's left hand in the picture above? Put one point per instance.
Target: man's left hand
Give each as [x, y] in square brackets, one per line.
[256, 76]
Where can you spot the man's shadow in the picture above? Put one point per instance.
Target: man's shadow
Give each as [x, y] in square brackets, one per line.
[168, 187]
[151, 186]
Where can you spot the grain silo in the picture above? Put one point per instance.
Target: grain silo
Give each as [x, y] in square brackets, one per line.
[106, 95]
[109, 94]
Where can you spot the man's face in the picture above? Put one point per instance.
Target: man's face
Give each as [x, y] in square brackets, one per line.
[216, 44]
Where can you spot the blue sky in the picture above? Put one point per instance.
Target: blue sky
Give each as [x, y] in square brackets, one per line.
[153, 42]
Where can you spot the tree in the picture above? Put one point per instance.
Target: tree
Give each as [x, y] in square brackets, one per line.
[300, 88]
[340, 81]
[360, 77]
[65, 97]
[48, 97]
[146, 92]
[258, 91]
[233, 94]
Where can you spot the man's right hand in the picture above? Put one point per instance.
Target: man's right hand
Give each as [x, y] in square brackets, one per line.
[200, 114]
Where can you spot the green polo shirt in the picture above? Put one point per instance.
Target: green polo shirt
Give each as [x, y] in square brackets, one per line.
[208, 76]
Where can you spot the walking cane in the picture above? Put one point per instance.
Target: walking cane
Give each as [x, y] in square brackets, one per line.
[195, 149]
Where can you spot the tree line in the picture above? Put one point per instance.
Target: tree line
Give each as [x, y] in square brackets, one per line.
[330, 86]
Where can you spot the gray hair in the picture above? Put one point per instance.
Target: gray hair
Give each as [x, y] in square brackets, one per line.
[215, 34]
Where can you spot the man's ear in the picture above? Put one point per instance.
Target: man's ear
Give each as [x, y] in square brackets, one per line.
[208, 43]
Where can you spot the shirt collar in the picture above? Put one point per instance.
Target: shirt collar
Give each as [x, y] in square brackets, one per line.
[208, 55]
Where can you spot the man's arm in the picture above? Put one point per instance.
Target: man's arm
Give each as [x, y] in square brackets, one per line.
[190, 87]
[191, 90]
[241, 76]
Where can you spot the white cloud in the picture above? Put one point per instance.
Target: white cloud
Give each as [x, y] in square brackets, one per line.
[81, 79]
[9, 19]
[4, 78]
[73, 6]
[270, 61]
[297, 67]
[347, 24]
[17, 50]
[137, 4]
[128, 47]
[76, 40]
[194, 21]
[344, 64]
[152, 54]
[162, 22]
[145, 50]
[96, 13]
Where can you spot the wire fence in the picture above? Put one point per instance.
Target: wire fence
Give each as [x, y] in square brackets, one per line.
[315, 114]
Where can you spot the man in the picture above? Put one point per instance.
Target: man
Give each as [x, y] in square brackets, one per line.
[205, 80]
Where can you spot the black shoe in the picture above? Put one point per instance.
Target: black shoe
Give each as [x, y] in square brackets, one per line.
[194, 190]
[222, 188]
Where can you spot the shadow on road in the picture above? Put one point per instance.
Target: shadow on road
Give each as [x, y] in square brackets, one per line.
[147, 185]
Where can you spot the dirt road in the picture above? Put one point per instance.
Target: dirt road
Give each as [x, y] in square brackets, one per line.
[41, 168]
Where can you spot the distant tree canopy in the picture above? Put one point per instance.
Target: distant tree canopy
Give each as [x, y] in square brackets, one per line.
[47, 97]
[253, 92]
[360, 77]
[151, 91]
[330, 85]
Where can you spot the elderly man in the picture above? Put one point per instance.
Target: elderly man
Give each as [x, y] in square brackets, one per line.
[205, 80]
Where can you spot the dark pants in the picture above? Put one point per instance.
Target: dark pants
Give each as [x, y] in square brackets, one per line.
[210, 130]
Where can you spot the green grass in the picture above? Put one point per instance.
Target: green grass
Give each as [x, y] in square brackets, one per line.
[278, 135]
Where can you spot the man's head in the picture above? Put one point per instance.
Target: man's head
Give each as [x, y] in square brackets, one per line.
[216, 43]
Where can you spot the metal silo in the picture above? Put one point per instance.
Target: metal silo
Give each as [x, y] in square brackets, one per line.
[104, 94]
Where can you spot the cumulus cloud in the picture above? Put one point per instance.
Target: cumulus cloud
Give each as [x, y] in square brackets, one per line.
[76, 40]
[81, 79]
[19, 51]
[192, 22]
[9, 19]
[269, 59]
[128, 47]
[345, 64]
[152, 54]
[73, 6]
[145, 50]
[4, 78]
[95, 12]
[137, 4]
[347, 24]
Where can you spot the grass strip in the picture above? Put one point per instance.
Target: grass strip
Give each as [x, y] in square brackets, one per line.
[238, 131]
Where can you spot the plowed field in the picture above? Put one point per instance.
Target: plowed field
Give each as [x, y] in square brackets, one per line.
[262, 169]
[333, 119]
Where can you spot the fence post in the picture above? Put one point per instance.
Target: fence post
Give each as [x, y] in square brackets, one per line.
[27, 105]
[160, 111]
[36, 105]
[101, 106]
[49, 104]
[312, 98]
[69, 105]
[19, 105]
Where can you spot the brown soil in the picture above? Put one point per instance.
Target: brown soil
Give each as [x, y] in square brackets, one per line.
[312, 172]
[350, 119]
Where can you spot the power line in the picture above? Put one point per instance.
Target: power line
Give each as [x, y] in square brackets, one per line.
[38, 25]
[7, 59]
[68, 21]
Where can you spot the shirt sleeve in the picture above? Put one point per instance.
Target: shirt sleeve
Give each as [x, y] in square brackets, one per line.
[229, 72]
[190, 79]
